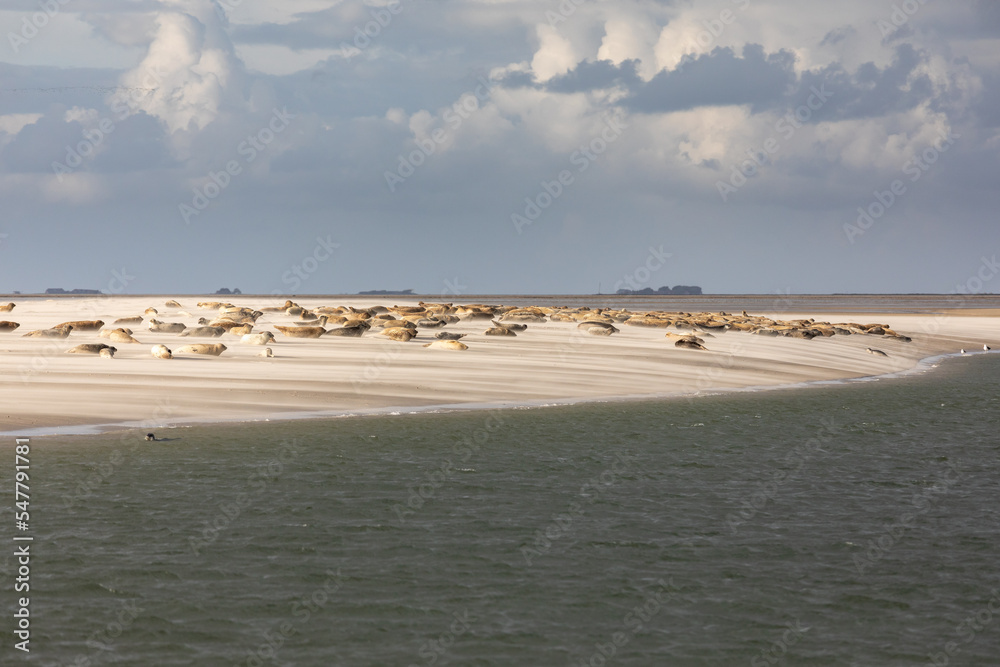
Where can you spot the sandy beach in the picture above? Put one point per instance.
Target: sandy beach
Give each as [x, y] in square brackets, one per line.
[42, 387]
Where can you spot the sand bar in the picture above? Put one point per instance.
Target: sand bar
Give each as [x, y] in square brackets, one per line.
[41, 386]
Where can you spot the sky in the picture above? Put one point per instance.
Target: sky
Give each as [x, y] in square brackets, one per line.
[499, 146]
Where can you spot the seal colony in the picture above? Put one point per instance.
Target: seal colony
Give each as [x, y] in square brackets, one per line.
[424, 323]
[251, 355]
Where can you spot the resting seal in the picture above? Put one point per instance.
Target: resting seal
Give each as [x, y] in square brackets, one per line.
[258, 338]
[510, 325]
[204, 332]
[82, 325]
[213, 349]
[447, 345]
[108, 352]
[166, 327]
[301, 332]
[877, 353]
[118, 335]
[49, 333]
[89, 348]
[690, 344]
[499, 331]
[7, 307]
[399, 333]
[161, 352]
[129, 320]
[8, 326]
[172, 304]
[444, 335]
[266, 353]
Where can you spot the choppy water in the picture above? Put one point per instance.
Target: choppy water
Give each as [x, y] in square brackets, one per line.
[839, 525]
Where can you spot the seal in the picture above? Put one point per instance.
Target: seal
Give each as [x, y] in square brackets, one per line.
[690, 344]
[301, 332]
[129, 320]
[49, 333]
[172, 304]
[118, 335]
[877, 353]
[213, 349]
[227, 324]
[8, 326]
[82, 325]
[203, 332]
[266, 352]
[242, 330]
[350, 332]
[166, 327]
[447, 345]
[599, 331]
[150, 437]
[510, 325]
[161, 352]
[587, 324]
[108, 352]
[445, 335]
[499, 331]
[89, 348]
[6, 308]
[399, 333]
[262, 338]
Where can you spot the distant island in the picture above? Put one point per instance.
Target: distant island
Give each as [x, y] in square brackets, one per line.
[60, 290]
[686, 290]
[387, 292]
[226, 290]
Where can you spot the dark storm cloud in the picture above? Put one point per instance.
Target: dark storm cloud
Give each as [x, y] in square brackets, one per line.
[596, 75]
[717, 79]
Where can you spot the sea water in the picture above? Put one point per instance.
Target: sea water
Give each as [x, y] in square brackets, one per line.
[845, 524]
